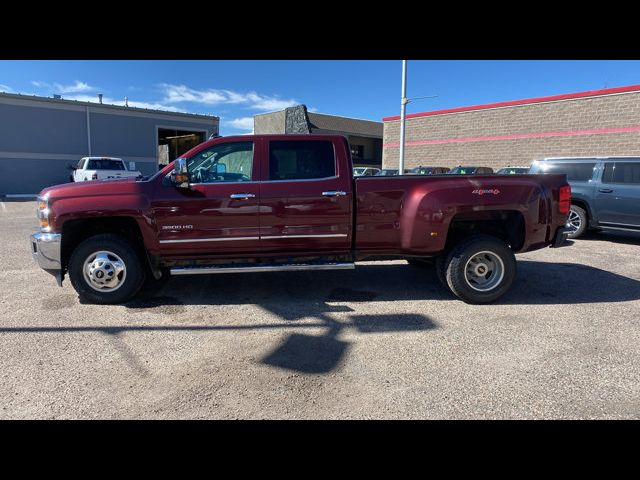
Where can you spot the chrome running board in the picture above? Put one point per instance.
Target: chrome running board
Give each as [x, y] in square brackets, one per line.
[195, 270]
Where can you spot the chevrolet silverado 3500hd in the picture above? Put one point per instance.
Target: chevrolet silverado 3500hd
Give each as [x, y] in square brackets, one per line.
[289, 202]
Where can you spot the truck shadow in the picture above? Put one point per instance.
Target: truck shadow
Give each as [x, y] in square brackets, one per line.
[538, 283]
[613, 236]
[568, 283]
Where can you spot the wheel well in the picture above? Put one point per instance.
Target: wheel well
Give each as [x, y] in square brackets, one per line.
[507, 225]
[76, 231]
[583, 205]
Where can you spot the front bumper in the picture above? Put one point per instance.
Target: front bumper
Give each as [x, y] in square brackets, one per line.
[561, 237]
[45, 249]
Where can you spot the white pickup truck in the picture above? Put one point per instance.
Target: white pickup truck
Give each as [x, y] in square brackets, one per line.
[101, 168]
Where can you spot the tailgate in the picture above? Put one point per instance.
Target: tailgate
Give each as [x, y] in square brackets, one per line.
[558, 208]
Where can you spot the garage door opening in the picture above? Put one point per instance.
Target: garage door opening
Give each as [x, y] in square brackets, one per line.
[173, 142]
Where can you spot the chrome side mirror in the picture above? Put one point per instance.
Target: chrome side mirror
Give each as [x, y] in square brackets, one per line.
[180, 175]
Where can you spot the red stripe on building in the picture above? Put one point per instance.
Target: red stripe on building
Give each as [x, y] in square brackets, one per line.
[553, 98]
[598, 131]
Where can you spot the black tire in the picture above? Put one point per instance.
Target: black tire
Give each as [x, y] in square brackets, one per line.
[420, 262]
[579, 216]
[442, 262]
[133, 280]
[462, 254]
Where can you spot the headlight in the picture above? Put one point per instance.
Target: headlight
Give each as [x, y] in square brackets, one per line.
[43, 213]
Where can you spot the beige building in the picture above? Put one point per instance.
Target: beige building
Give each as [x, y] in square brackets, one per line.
[365, 136]
[599, 122]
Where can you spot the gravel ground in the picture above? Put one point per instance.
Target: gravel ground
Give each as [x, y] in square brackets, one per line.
[382, 341]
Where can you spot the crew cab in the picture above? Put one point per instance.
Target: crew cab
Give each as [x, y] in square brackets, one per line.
[101, 168]
[267, 203]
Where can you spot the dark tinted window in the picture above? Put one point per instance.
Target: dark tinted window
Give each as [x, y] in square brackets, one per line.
[621, 172]
[577, 172]
[301, 160]
[104, 164]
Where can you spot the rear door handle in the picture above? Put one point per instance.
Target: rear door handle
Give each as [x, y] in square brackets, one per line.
[605, 190]
[334, 193]
[241, 196]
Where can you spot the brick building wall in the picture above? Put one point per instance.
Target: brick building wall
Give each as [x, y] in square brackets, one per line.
[603, 122]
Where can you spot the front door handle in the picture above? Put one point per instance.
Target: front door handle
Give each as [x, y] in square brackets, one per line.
[605, 190]
[241, 196]
[334, 193]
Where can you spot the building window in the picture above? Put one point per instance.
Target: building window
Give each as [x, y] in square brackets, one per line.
[357, 152]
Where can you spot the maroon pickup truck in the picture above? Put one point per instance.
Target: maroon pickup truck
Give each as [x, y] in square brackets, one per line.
[269, 203]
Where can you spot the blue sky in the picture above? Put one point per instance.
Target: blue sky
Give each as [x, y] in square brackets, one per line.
[237, 90]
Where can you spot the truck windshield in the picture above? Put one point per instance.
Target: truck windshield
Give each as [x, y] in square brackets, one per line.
[513, 171]
[105, 164]
[462, 170]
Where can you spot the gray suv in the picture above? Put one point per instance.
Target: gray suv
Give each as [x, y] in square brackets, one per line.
[605, 191]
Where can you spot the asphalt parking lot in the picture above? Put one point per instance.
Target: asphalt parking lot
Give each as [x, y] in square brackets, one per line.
[382, 341]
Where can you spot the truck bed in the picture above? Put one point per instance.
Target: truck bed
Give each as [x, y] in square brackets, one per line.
[412, 214]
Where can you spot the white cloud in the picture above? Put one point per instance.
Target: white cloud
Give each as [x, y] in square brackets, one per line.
[132, 103]
[5, 88]
[77, 87]
[244, 123]
[253, 100]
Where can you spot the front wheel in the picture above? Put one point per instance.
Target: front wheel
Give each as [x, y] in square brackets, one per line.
[480, 269]
[106, 269]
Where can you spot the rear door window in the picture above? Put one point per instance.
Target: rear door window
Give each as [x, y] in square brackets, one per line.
[575, 171]
[105, 164]
[291, 160]
[621, 172]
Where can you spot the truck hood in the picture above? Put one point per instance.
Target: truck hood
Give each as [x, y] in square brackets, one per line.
[93, 188]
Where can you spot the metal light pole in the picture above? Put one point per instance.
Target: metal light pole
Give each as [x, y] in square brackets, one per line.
[403, 109]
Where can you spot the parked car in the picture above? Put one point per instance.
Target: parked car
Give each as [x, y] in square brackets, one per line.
[365, 171]
[387, 172]
[427, 171]
[101, 168]
[471, 171]
[513, 171]
[265, 203]
[605, 191]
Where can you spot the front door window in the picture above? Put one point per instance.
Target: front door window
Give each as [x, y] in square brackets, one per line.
[227, 162]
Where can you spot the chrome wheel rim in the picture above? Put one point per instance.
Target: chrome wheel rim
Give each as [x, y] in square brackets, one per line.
[484, 271]
[574, 222]
[104, 271]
